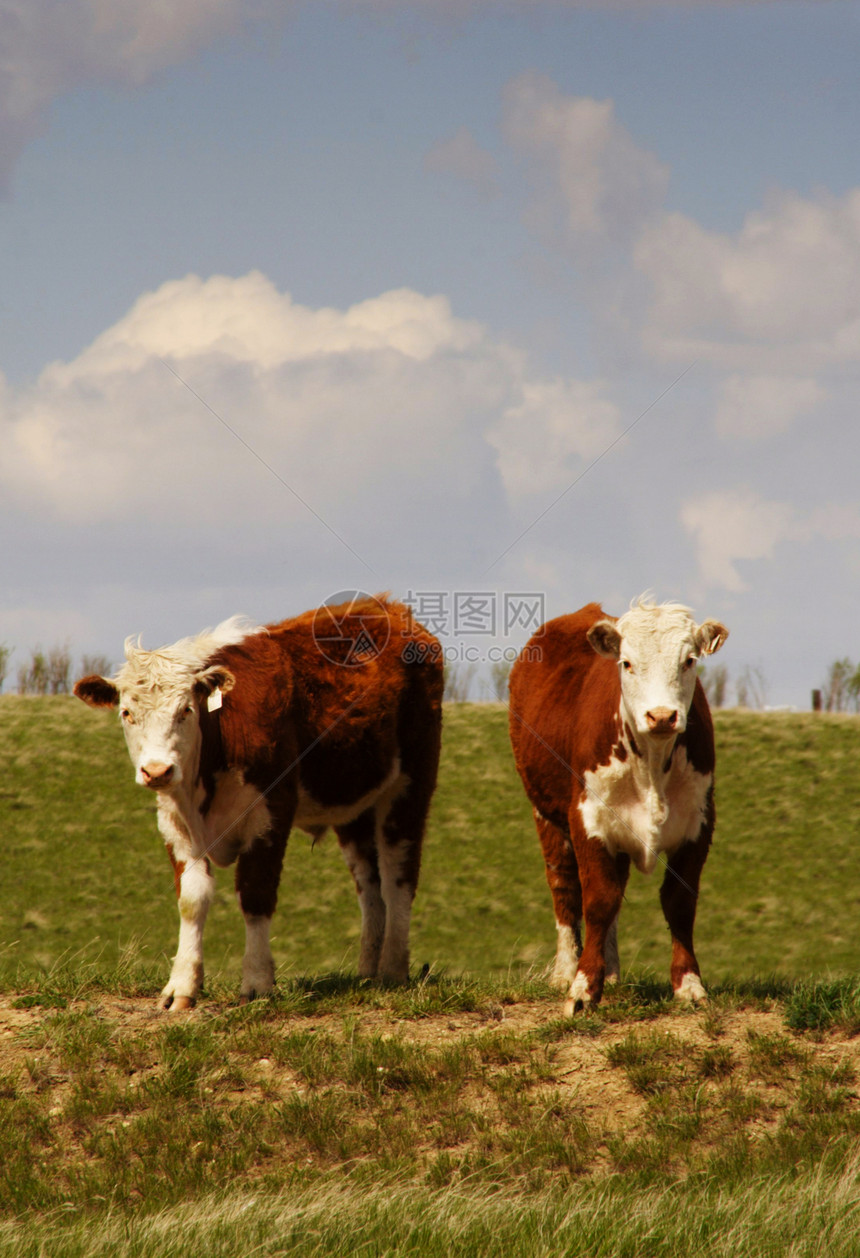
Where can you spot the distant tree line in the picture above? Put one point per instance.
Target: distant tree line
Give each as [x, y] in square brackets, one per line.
[841, 689]
[49, 672]
[460, 676]
[750, 686]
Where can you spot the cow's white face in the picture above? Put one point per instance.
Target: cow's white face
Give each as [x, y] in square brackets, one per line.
[160, 719]
[657, 648]
[162, 735]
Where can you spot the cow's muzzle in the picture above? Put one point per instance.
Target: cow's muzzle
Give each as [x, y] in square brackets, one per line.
[662, 721]
[156, 776]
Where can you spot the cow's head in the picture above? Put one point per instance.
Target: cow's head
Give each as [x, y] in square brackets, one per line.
[657, 648]
[159, 695]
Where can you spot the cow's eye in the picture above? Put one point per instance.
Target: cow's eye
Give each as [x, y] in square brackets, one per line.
[627, 666]
[186, 711]
[689, 661]
[127, 716]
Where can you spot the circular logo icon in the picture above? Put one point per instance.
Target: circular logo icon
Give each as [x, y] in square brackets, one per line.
[351, 628]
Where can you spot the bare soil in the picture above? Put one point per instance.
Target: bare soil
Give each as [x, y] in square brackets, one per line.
[580, 1063]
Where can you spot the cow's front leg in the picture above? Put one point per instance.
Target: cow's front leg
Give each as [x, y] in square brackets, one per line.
[194, 890]
[603, 878]
[258, 871]
[678, 897]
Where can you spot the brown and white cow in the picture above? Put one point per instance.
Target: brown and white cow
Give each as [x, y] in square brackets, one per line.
[613, 740]
[242, 732]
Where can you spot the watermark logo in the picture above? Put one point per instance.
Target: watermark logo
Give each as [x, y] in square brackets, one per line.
[474, 613]
[351, 628]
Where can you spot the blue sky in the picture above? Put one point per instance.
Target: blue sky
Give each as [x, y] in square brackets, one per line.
[430, 262]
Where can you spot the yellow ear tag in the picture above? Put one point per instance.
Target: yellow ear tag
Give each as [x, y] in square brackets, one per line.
[215, 700]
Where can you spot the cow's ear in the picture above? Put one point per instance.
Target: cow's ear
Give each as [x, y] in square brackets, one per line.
[215, 678]
[710, 636]
[605, 639]
[98, 692]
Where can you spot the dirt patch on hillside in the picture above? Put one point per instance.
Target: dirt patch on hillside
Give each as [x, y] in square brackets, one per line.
[578, 1062]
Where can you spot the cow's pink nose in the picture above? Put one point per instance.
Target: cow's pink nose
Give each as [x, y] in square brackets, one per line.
[661, 720]
[156, 775]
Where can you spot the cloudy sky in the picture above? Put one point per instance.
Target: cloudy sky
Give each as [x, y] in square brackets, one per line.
[556, 298]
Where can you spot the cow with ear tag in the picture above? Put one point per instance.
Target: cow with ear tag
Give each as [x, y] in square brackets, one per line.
[242, 732]
[614, 743]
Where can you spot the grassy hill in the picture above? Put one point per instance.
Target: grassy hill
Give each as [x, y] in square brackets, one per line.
[87, 877]
[451, 1118]
[457, 1116]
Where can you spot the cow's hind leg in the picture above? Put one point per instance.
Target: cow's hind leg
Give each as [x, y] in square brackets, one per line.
[399, 834]
[678, 896]
[401, 816]
[258, 871]
[358, 847]
[562, 876]
[194, 890]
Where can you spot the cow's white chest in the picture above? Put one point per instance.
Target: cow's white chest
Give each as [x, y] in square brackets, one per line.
[644, 814]
[237, 815]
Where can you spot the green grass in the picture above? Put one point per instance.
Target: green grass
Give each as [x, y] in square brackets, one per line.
[89, 881]
[818, 1005]
[461, 1114]
[339, 1117]
[807, 1215]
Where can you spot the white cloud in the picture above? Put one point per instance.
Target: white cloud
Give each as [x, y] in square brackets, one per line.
[247, 320]
[590, 179]
[330, 399]
[461, 156]
[738, 524]
[544, 440]
[754, 407]
[354, 406]
[734, 524]
[782, 294]
[776, 303]
[48, 47]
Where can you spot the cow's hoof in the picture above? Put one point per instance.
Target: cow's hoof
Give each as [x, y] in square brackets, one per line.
[176, 1004]
[393, 976]
[691, 991]
[255, 993]
[579, 997]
